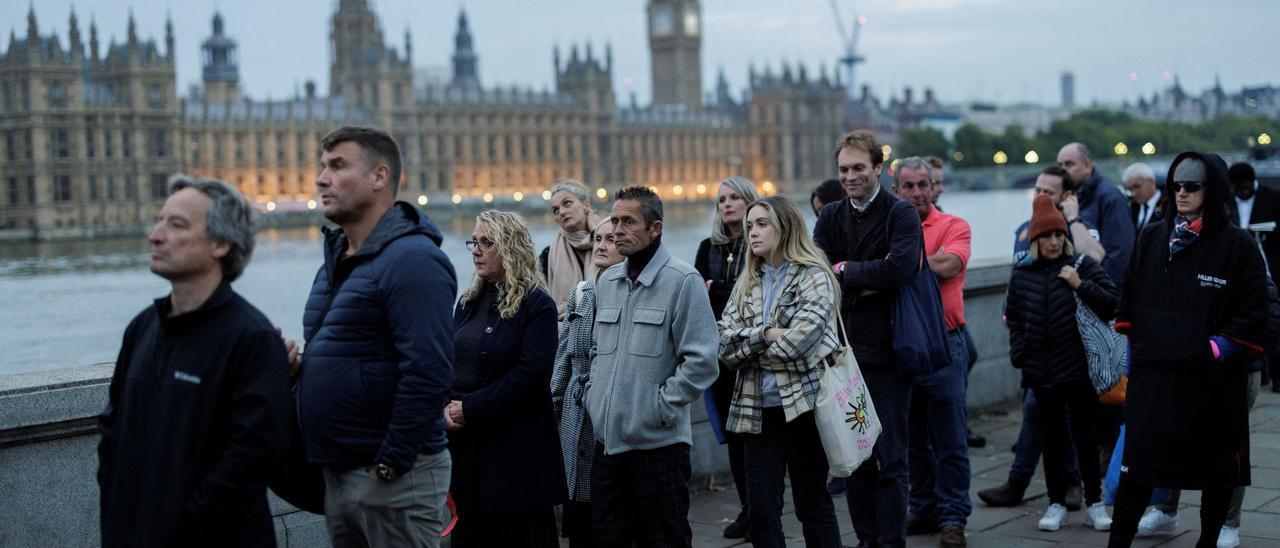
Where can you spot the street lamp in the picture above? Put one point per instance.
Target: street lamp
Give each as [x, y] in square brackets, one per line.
[457, 198]
[1264, 139]
[1031, 157]
[488, 197]
[1121, 149]
[422, 199]
[1000, 158]
[519, 196]
[1148, 148]
[546, 195]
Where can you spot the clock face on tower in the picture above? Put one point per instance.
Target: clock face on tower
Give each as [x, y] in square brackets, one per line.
[691, 22]
[661, 25]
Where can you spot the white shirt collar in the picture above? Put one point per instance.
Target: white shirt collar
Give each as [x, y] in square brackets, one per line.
[869, 201]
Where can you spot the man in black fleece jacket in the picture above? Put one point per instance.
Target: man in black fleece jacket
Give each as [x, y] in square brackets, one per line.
[197, 412]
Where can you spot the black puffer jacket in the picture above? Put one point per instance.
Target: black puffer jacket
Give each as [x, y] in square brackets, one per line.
[1044, 340]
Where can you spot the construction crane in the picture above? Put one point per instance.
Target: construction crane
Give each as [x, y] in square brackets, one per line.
[851, 57]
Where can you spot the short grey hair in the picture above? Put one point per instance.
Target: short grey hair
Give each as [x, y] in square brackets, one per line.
[230, 220]
[573, 187]
[1138, 171]
[747, 190]
[915, 163]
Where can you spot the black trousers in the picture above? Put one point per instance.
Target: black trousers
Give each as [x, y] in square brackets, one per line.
[1132, 499]
[780, 448]
[641, 498]
[1078, 398]
[878, 490]
[722, 394]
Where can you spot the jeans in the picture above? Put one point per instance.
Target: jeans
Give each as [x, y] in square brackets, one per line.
[939, 454]
[1030, 444]
[361, 511]
[788, 447]
[1131, 501]
[641, 497]
[1079, 398]
[877, 490]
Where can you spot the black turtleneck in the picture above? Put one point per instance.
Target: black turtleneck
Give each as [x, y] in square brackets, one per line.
[637, 262]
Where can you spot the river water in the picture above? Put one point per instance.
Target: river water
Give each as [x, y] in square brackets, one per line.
[67, 303]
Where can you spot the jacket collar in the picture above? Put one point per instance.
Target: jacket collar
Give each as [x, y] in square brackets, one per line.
[401, 220]
[219, 298]
[650, 272]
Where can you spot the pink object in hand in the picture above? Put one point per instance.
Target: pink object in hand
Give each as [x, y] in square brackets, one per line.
[1217, 354]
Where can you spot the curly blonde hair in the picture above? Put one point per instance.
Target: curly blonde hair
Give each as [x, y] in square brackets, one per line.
[511, 237]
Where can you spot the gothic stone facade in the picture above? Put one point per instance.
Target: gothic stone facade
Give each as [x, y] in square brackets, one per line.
[89, 141]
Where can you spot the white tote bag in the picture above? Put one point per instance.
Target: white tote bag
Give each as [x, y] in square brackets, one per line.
[846, 418]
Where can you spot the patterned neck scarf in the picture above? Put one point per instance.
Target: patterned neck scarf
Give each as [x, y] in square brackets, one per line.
[1184, 234]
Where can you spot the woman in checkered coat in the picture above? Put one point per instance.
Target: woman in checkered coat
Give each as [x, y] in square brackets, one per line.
[776, 330]
[568, 377]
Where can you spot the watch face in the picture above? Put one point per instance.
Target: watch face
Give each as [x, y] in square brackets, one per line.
[691, 22]
[661, 22]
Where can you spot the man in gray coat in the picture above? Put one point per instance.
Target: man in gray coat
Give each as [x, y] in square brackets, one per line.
[656, 347]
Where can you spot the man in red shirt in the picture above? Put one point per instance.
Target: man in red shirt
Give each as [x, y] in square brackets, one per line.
[939, 456]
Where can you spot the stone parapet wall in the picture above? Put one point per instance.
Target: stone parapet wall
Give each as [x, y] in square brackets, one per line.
[48, 436]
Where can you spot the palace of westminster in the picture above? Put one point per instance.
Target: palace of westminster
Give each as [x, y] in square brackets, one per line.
[89, 135]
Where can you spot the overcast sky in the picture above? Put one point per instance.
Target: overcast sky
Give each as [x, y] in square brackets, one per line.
[1004, 51]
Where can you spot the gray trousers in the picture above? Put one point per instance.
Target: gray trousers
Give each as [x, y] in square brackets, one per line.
[1237, 497]
[361, 511]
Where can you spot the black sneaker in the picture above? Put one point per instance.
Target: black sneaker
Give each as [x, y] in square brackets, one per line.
[976, 441]
[739, 527]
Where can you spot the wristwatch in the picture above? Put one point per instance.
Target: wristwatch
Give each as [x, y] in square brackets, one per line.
[384, 472]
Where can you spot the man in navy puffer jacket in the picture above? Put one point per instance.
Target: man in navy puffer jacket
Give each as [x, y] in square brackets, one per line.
[379, 353]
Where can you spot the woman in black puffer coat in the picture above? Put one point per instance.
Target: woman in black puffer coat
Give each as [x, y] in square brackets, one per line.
[1044, 342]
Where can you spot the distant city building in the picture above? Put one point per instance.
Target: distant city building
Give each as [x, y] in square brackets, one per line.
[1174, 104]
[1068, 80]
[995, 118]
[89, 141]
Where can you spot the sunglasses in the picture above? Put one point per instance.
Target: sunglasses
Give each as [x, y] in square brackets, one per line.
[484, 244]
[1188, 186]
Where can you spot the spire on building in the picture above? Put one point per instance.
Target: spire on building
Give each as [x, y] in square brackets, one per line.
[221, 72]
[33, 32]
[133, 29]
[74, 33]
[464, 57]
[168, 38]
[93, 38]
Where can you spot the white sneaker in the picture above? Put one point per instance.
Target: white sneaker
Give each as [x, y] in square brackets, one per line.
[1156, 522]
[1096, 516]
[1053, 518]
[1229, 537]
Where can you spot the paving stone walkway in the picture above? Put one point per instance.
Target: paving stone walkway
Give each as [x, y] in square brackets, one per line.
[1016, 527]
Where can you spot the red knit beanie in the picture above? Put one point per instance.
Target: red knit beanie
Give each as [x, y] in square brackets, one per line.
[1045, 218]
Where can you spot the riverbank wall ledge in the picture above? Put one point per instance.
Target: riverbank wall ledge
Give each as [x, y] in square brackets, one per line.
[48, 436]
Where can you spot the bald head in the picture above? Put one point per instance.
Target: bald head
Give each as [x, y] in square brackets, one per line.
[1074, 157]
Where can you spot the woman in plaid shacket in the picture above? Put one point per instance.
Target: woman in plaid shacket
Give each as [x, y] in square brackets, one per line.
[776, 330]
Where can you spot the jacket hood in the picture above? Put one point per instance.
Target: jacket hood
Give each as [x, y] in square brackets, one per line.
[1217, 191]
[401, 220]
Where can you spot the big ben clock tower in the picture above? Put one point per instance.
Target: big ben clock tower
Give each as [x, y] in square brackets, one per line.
[675, 50]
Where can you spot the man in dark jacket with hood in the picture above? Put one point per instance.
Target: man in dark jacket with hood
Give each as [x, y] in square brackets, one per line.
[1186, 403]
[197, 412]
[379, 354]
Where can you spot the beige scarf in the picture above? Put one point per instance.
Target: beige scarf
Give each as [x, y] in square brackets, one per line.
[567, 263]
